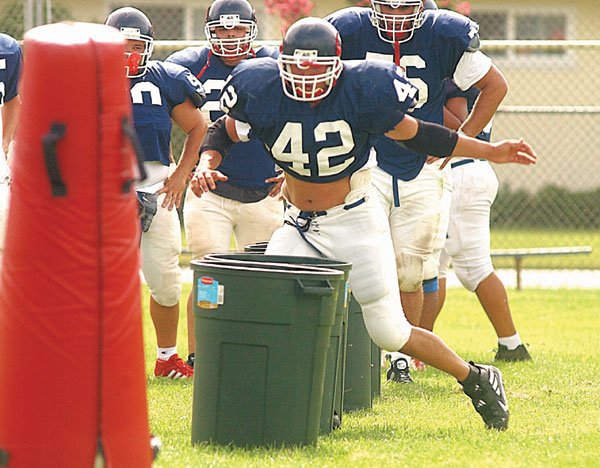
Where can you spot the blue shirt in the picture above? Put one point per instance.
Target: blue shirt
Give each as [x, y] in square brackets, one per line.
[11, 61]
[430, 57]
[330, 140]
[247, 165]
[154, 95]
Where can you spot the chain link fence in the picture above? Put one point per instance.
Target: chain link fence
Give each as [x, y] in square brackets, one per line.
[551, 62]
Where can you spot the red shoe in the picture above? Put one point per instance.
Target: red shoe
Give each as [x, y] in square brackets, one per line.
[417, 365]
[173, 368]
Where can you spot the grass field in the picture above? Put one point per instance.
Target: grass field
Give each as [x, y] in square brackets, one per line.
[555, 415]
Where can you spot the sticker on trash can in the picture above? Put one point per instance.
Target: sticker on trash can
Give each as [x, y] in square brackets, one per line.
[346, 294]
[207, 293]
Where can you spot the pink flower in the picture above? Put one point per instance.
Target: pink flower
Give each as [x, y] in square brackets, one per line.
[289, 10]
[464, 8]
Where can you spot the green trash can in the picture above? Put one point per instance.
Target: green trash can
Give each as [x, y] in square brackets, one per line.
[358, 378]
[363, 363]
[258, 247]
[333, 389]
[262, 332]
[375, 371]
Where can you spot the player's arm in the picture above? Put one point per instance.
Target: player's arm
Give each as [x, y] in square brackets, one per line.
[189, 118]
[455, 112]
[221, 136]
[436, 140]
[10, 114]
[493, 87]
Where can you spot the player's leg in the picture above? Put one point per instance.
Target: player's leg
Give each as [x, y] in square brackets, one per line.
[257, 221]
[374, 284]
[414, 219]
[209, 222]
[431, 274]
[160, 248]
[472, 262]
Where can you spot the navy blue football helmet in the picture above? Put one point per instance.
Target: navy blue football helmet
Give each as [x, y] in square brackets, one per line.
[310, 43]
[430, 5]
[134, 25]
[229, 14]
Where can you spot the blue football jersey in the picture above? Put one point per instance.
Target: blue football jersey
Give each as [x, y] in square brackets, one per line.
[327, 141]
[154, 95]
[453, 91]
[241, 170]
[430, 57]
[11, 60]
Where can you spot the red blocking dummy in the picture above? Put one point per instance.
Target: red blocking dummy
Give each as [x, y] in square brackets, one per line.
[72, 374]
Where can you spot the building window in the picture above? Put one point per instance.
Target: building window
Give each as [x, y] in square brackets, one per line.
[523, 24]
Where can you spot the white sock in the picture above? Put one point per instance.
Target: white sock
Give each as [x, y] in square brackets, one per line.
[511, 342]
[166, 353]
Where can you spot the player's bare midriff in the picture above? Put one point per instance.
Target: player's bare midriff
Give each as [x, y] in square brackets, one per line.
[309, 196]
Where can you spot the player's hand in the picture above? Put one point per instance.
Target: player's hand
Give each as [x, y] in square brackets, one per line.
[277, 182]
[174, 188]
[434, 159]
[205, 180]
[513, 151]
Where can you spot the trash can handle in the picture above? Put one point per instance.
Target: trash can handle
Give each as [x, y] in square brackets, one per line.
[325, 290]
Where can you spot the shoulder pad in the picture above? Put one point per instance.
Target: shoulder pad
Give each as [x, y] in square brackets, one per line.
[348, 20]
[266, 51]
[189, 56]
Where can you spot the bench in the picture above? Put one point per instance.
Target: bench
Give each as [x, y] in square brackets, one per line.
[519, 254]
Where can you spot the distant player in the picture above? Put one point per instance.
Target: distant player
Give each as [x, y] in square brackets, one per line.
[468, 240]
[161, 92]
[430, 46]
[316, 114]
[244, 202]
[11, 59]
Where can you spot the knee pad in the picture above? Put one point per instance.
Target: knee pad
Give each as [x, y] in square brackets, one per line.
[474, 273]
[410, 271]
[386, 323]
[166, 290]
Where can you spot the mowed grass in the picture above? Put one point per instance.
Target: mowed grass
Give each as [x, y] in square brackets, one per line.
[517, 238]
[554, 400]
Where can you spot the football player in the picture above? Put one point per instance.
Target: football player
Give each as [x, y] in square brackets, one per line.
[430, 46]
[161, 92]
[316, 114]
[468, 240]
[11, 60]
[244, 202]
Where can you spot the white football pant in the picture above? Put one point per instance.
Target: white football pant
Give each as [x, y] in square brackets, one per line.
[359, 235]
[468, 242]
[414, 224]
[161, 247]
[210, 221]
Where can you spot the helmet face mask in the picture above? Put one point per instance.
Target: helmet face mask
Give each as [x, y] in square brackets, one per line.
[309, 60]
[230, 15]
[136, 26]
[396, 27]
